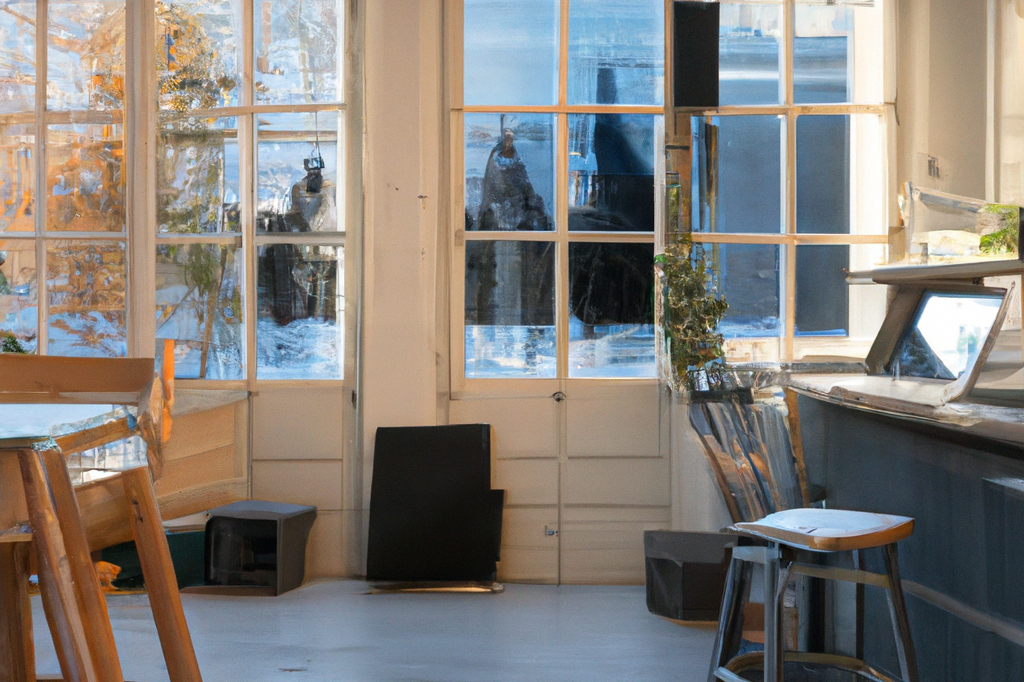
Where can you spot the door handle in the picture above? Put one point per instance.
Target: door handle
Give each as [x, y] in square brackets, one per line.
[558, 396]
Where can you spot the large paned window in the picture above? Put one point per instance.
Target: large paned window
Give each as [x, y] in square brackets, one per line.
[249, 149]
[557, 137]
[62, 176]
[241, 132]
[788, 176]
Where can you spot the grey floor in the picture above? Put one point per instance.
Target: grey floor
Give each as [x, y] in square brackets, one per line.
[334, 631]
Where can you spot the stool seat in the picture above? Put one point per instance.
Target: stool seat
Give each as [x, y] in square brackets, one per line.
[828, 530]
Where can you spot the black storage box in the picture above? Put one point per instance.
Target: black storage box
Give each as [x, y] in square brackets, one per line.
[686, 573]
[261, 544]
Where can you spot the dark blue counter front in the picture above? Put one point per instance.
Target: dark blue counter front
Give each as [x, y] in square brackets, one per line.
[964, 564]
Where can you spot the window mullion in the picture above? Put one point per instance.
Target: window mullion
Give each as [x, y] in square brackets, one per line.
[562, 248]
[42, 295]
[788, 252]
[247, 190]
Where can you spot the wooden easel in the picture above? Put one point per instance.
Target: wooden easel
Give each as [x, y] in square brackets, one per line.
[35, 485]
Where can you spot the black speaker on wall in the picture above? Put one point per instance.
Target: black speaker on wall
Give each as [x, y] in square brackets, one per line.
[695, 54]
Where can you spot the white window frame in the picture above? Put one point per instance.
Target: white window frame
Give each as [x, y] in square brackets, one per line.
[561, 236]
[140, 233]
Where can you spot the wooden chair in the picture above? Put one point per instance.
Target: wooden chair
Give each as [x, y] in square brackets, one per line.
[58, 538]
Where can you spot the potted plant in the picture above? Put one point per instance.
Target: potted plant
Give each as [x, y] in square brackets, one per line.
[691, 309]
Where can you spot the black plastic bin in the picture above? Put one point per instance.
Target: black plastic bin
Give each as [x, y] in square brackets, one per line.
[686, 573]
[259, 544]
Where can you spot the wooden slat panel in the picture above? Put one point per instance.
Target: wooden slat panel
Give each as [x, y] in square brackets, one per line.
[527, 481]
[507, 418]
[523, 528]
[636, 482]
[40, 378]
[528, 565]
[203, 468]
[200, 432]
[315, 482]
[619, 422]
[297, 423]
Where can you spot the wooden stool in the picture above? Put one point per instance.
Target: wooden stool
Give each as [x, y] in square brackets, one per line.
[76, 610]
[814, 530]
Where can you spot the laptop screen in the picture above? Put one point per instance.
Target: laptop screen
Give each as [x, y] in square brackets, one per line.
[948, 332]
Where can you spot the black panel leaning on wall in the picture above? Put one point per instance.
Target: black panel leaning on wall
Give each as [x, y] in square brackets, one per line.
[695, 54]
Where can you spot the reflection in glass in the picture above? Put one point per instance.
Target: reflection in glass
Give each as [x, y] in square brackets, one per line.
[198, 53]
[821, 47]
[86, 285]
[17, 178]
[197, 173]
[616, 52]
[510, 309]
[946, 336]
[749, 187]
[611, 310]
[300, 312]
[509, 161]
[510, 51]
[748, 54]
[297, 163]
[18, 291]
[85, 178]
[297, 51]
[749, 279]
[85, 59]
[611, 172]
[823, 174]
[822, 294]
[199, 306]
[17, 57]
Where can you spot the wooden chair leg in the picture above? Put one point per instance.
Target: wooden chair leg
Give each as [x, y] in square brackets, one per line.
[87, 586]
[56, 582]
[17, 651]
[161, 583]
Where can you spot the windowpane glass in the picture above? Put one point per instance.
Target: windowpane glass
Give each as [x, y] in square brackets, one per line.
[821, 54]
[510, 164]
[17, 57]
[823, 174]
[199, 306]
[749, 278]
[748, 54]
[510, 52]
[611, 172]
[749, 187]
[18, 291]
[616, 52]
[611, 310]
[86, 284]
[822, 294]
[510, 309]
[298, 44]
[301, 312]
[198, 53]
[197, 175]
[85, 59]
[17, 178]
[85, 178]
[297, 162]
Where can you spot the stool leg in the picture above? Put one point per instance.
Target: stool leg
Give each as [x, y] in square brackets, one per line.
[898, 611]
[772, 616]
[91, 602]
[17, 650]
[56, 581]
[730, 618]
[161, 583]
